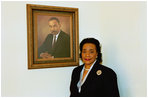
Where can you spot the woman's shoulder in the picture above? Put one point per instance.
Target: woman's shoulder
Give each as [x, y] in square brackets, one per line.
[78, 68]
[107, 70]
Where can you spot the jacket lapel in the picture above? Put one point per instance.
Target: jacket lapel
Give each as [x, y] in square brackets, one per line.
[91, 74]
[58, 41]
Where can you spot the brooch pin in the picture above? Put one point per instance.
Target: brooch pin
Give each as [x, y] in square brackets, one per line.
[99, 72]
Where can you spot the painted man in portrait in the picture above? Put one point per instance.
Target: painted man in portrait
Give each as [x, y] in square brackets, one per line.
[57, 43]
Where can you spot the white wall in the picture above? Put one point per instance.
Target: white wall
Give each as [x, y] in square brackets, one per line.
[120, 27]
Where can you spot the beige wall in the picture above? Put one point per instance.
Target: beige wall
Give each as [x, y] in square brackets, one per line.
[120, 27]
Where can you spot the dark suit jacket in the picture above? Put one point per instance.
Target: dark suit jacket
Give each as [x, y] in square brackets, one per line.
[62, 46]
[104, 85]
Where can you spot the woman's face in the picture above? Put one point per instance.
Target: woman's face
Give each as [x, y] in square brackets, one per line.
[89, 54]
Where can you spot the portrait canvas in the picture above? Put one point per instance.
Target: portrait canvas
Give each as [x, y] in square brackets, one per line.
[43, 27]
[52, 36]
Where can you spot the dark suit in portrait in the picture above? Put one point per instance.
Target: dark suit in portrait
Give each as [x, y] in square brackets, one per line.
[103, 84]
[61, 48]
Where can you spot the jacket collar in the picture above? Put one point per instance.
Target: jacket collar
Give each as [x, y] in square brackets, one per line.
[91, 74]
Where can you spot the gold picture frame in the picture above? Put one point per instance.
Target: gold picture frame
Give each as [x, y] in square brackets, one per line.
[38, 29]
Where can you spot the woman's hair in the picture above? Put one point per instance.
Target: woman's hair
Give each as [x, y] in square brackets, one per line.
[96, 43]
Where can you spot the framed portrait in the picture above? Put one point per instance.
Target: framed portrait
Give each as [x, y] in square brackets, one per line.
[52, 34]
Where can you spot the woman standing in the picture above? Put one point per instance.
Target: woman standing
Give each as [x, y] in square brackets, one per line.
[93, 79]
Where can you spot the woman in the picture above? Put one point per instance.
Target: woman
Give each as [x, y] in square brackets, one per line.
[93, 79]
